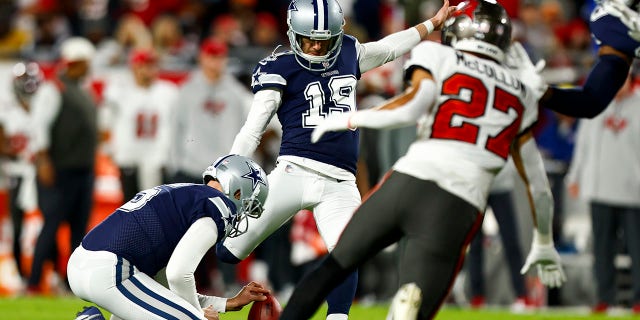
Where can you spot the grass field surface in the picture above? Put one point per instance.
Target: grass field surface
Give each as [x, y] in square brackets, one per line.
[64, 308]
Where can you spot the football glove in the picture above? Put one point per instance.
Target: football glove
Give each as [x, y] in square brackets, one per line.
[547, 260]
[334, 122]
[519, 62]
[627, 16]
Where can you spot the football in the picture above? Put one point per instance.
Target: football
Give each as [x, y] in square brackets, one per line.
[268, 309]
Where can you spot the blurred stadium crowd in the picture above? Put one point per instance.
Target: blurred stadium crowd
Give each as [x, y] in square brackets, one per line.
[144, 43]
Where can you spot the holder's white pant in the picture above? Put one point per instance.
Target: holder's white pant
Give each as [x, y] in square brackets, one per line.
[114, 284]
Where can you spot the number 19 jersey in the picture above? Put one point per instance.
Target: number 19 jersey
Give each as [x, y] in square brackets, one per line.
[465, 138]
[310, 96]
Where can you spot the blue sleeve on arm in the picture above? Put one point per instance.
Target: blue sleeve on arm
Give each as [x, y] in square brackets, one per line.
[605, 79]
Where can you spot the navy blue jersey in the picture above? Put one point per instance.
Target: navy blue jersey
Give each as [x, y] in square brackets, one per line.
[146, 230]
[310, 96]
[609, 30]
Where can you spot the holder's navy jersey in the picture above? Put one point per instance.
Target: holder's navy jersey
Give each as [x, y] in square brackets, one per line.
[146, 230]
[310, 96]
[607, 29]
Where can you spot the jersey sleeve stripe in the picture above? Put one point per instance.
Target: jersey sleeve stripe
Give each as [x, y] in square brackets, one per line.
[222, 207]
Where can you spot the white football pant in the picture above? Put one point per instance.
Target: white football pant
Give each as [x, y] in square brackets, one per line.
[112, 283]
[291, 189]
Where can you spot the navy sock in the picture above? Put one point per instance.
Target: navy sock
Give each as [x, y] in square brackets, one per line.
[340, 298]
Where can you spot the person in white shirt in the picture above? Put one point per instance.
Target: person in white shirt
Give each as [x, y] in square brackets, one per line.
[606, 172]
[212, 106]
[138, 114]
[17, 136]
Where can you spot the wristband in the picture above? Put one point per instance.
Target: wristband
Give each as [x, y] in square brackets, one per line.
[542, 239]
[429, 25]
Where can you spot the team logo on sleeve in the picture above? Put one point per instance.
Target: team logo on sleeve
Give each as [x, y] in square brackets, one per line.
[255, 80]
[254, 175]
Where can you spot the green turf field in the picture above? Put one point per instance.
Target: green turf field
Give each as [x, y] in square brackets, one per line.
[32, 308]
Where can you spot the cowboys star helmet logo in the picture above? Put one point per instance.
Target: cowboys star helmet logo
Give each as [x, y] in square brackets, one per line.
[292, 6]
[254, 175]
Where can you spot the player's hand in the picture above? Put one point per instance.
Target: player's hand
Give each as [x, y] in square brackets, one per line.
[627, 16]
[442, 15]
[45, 171]
[519, 62]
[547, 260]
[249, 293]
[336, 121]
[211, 314]
[573, 189]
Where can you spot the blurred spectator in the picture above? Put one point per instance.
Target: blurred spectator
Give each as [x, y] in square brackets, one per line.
[504, 210]
[66, 119]
[17, 134]
[148, 10]
[539, 36]
[13, 40]
[175, 52]
[93, 18]
[264, 38]
[605, 172]
[228, 29]
[138, 113]
[131, 33]
[212, 108]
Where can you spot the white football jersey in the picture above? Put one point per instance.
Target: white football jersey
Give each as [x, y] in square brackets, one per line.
[207, 120]
[464, 140]
[140, 120]
[20, 131]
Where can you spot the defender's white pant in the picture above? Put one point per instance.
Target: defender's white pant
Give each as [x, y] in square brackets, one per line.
[112, 283]
[291, 189]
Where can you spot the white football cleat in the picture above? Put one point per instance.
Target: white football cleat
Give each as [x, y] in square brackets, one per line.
[406, 303]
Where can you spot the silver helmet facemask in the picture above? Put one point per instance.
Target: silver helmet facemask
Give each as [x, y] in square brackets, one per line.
[316, 20]
[27, 77]
[480, 26]
[244, 182]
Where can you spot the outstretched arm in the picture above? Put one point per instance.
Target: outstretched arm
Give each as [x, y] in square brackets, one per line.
[543, 254]
[615, 28]
[377, 53]
[605, 79]
[400, 111]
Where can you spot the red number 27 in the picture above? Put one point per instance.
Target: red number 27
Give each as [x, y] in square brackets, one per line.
[473, 108]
